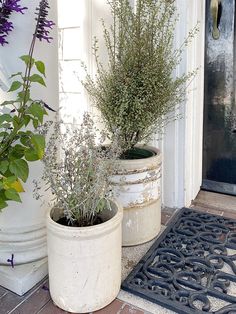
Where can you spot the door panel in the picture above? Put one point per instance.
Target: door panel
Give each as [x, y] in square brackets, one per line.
[219, 149]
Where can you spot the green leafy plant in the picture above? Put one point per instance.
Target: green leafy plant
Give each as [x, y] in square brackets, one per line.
[137, 91]
[77, 168]
[20, 142]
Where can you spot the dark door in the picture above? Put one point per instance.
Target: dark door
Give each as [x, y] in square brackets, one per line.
[219, 146]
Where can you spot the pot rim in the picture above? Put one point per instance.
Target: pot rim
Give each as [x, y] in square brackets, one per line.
[142, 163]
[99, 228]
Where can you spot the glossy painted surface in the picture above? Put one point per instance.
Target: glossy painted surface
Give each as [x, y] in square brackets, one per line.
[219, 157]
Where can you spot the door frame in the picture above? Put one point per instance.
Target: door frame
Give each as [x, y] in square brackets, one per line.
[195, 103]
[182, 143]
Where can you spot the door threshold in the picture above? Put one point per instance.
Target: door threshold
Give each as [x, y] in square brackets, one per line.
[215, 201]
[218, 187]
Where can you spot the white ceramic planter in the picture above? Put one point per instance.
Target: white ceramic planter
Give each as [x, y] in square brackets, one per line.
[137, 187]
[23, 239]
[84, 263]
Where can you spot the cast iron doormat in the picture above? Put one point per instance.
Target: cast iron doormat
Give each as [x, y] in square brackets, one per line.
[191, 267]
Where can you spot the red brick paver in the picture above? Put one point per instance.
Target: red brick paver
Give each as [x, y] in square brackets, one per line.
[35, 301]
[114, 307]
[166, 215]
[50, 308]
[130, 310]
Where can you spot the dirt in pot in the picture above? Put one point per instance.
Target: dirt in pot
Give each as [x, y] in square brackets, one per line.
[63, 221]
[137, 153]
[133, 153]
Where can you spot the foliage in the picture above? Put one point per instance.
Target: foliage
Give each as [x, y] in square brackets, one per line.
[137, 91]
[77, 169]
[19, 142]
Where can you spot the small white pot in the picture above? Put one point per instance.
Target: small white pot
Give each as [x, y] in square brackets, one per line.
[137, 186]
[84, 262]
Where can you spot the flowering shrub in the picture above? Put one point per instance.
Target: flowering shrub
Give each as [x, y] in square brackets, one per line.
[18, 143]
[77, 169]
[137, 91]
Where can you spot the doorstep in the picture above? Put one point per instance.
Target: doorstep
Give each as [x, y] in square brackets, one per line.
[216, 203]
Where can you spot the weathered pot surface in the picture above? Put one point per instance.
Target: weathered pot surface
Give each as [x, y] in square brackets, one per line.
[136, 186]
[85, 262]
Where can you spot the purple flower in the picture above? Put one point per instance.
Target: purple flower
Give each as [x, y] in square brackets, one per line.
[6, 9]
[3, 40]
[7, 27]
[43, 25]
[13, 5]
[44, 287]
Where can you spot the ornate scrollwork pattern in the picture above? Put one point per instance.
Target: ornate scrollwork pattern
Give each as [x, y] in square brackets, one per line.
[191, 268]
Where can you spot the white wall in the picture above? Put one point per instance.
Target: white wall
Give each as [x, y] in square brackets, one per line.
[74, 22]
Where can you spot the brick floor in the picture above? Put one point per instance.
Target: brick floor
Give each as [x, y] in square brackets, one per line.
[38, 301]
[50, 308]
[166, 215]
